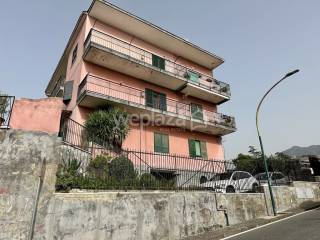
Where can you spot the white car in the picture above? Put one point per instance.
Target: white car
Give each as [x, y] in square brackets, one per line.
[231, 182]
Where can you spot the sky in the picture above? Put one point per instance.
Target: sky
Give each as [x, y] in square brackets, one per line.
[259, 40]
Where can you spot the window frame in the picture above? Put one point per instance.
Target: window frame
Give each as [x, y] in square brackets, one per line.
[192, 149]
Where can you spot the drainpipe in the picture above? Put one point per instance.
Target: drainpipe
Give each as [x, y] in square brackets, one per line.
[222, 209]
[35, 207]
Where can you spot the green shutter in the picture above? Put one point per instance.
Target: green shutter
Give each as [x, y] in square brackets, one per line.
[161, 143]
[192, 148]
[163, 102]
[157, 142]
[162, 63]
[156, 100]
[196, 111]
[149, 98]
[158, 62]
[165, 143]
[204, 150]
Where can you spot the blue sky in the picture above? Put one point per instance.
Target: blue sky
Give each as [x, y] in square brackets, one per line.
[259, 40]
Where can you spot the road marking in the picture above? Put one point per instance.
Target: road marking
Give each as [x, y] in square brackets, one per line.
[265, 225]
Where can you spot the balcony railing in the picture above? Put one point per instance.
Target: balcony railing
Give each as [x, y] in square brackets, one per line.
[145, 58]
[6, 105]
[136, 96]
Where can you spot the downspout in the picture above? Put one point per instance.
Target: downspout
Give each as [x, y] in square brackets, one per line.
[222, 209]
[36, 203]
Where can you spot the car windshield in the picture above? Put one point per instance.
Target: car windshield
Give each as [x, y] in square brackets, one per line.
[223, 176]
[262, 176]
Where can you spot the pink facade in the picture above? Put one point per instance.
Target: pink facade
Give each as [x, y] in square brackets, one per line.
[131, 88]
[37, 115]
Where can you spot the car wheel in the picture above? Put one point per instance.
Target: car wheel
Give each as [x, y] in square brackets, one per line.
[230, 189]
[255, 188]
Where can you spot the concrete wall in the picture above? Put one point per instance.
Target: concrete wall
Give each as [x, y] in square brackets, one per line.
[37, 114]
[145, 215]
[114, 215]
[287, 197]
[21, 157]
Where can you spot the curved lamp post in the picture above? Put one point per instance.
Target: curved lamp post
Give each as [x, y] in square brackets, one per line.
[260, 140]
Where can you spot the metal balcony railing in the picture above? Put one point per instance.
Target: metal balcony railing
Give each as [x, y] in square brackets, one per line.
[6, 105]
[136, 96]
[145, 58]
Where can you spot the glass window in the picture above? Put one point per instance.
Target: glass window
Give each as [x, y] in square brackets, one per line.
[243, 175]
[192, 76]
[161, 143]
[158, 62]
[197, 148]
[277, 176]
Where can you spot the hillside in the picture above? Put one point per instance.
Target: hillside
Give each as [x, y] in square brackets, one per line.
[299, 151]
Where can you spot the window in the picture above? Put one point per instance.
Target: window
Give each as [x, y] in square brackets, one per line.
[196, 111]
[158, 62]
[156, 100]
[277, 176]
[197, 148]
[243, 175]
[74, 54]
[192, 76]
[161, 143]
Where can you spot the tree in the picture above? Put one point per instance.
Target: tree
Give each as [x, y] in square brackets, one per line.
[108, 126]
[251, 162]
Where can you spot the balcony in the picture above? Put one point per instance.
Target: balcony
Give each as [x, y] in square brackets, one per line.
[94, 92]
[107, 51]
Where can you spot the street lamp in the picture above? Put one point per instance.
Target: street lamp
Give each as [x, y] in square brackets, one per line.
[260, 140]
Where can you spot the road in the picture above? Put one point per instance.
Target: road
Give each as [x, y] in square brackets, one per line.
[305, 226]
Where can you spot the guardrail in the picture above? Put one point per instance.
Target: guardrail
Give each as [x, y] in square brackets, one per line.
[145, 58]
[136, 96]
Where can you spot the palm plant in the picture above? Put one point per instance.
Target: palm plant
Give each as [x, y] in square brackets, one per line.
[109, 126]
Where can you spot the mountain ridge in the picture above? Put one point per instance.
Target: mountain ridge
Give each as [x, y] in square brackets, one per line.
[297, 151]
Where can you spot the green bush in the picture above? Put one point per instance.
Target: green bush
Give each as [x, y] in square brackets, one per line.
[121, 168]
[147, 181]
[98, 167]
[109, 126]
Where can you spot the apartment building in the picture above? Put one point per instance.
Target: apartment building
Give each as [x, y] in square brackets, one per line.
[165, 82]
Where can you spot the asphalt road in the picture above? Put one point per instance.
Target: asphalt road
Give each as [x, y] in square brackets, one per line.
[305, 226]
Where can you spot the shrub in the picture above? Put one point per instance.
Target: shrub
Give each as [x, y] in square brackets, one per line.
[98, 167]
[147, 181]
[109, 127]
[121, 168]
[67, 175]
